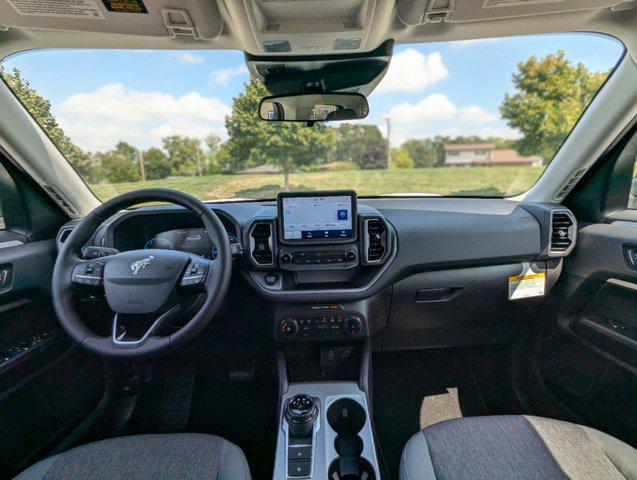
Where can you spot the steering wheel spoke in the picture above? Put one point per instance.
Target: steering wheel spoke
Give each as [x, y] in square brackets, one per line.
[119, 332]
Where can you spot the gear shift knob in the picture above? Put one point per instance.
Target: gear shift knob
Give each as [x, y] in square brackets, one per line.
[300, 413]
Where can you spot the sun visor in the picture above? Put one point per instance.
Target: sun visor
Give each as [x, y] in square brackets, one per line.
[148, 18]
[419, 12]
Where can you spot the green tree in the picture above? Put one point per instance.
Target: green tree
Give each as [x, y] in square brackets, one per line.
[400, 158]
[287, 145]
[40, 109]
[117, 167]
[423, 152]
[223, 160]
[156, 164]
[363, 145]
[213, 142]
[551, 95]
[127, 151]
[294, 146]
[184, 153]
[245, 130]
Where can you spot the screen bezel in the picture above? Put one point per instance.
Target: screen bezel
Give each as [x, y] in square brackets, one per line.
[317, 193]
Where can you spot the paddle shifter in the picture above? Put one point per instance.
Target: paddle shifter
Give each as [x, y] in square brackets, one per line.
[300, 413]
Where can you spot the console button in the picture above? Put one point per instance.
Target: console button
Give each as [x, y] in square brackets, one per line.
[289, 328]
[352, 325]
[350, 256]
[286, 258]
[300, 453]
[299, 468]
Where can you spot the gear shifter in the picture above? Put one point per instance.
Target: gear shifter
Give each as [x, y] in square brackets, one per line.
[300, 413]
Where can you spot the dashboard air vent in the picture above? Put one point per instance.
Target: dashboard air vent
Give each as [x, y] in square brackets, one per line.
[261, 243]
[562, 233]
[375, 240]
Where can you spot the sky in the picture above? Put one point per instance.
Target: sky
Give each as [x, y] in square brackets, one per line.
[102, 96]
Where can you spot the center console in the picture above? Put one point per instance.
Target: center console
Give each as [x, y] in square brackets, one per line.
[338, 444]
[309, 259]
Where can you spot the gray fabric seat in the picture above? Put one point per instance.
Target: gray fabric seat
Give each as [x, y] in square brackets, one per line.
[515, 447]
[183, 456]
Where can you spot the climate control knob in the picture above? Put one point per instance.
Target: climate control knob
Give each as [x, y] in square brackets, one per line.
[286, 258]
[289, 327]
[350, 256]
[352, 325]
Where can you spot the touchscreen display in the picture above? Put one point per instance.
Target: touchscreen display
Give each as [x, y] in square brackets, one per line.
[315, 218]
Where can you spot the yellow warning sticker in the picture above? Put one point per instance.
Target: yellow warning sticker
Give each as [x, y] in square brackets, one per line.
[527, 285]
[125, 6]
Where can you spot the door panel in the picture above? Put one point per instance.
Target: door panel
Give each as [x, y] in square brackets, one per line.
[47, 386]
[589, 354]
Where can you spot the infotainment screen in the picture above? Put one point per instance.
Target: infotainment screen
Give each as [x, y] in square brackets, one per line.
[317, 216]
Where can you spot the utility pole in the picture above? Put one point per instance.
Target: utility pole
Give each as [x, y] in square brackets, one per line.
[141, 165]
[198, 162]
[388, 143]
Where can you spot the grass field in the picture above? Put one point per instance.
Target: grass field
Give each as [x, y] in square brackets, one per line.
[470, 181]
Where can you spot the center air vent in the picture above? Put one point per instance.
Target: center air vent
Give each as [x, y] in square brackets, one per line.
[261, 243]
[375, 240]
[562, 233]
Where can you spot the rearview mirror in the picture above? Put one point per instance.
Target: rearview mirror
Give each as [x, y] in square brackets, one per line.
[314, 107]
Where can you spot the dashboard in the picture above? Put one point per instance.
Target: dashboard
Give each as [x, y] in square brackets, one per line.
[333, 267]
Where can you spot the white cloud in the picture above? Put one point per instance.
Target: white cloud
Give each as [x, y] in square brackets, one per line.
[223, 76]
[187, 57]
[436, 114]
[412, 71]
[433, 107]
[476, 114]
[97, 120]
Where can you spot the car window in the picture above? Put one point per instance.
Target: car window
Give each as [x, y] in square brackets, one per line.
[479, 118]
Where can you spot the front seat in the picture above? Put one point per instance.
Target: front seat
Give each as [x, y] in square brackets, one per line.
[183, 456]
[515, 447]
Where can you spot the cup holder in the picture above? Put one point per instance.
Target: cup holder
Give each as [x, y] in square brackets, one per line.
[338, 467]
[348, 446]
[347, 417]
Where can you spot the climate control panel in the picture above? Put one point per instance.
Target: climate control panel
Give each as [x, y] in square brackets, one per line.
[332, 326]
[318, 257]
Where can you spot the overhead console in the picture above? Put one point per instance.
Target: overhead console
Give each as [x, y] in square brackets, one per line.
[318, 240]
[293, 27]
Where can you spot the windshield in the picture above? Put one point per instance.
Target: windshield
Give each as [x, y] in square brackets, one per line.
[468, 118]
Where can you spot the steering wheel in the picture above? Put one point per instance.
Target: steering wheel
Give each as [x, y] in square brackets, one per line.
[141, 284]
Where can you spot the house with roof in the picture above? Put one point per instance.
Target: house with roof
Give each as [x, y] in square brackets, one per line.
[486, 154]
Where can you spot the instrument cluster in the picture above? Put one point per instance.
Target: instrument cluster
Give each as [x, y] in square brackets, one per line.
[191, 240]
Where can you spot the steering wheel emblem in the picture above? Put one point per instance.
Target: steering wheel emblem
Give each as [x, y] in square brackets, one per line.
[140, 264]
